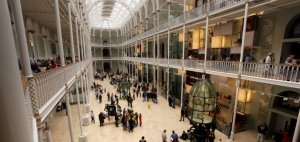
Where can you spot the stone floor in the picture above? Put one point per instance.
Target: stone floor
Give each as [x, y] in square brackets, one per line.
[159, 117]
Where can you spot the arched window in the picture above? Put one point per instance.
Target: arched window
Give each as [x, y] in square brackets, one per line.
[293, 28]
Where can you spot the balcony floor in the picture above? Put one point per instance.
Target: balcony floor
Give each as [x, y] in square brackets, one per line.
[155, 120]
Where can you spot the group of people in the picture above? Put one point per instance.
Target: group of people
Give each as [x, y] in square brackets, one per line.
[174, 136]
[39, 65]
[127, 117]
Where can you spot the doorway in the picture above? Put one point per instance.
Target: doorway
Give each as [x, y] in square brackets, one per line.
[106, 53]
[106, 67]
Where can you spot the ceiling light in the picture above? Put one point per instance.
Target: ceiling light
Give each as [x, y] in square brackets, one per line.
[261, 13]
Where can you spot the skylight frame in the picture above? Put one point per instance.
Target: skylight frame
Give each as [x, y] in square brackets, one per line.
[122, 11]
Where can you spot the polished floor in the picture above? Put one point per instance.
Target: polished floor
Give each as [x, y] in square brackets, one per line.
[159, 117]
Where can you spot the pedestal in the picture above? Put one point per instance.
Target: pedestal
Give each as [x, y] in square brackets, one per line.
[85, 120]
[49, 136]
[83, 137]
[87, 108]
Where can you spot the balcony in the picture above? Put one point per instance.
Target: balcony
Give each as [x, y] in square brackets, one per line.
[276, 74]
[45, 89]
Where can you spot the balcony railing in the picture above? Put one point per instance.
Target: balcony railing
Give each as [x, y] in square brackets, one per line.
[288, 75]
[43, 87]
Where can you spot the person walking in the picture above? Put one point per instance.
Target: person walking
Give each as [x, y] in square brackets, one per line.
[270, 59]
[101, 118]
[131, 124]
[164, 136]
[182, 113]
[92, 117]
[100, 98]
[108, 96]
[117, 120]
[117, 99]
[140, 119]
[261, 129]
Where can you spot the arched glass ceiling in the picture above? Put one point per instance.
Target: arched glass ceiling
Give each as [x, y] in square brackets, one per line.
[111, 14]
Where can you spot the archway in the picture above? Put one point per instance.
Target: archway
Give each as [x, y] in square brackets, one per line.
[284, 112]
[291, 42]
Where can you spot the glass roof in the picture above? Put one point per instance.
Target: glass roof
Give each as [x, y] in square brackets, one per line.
[111, 14]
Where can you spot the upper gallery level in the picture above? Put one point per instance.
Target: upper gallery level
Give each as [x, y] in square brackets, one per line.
[213, 34]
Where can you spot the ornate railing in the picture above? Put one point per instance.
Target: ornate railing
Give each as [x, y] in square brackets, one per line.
[44, 86]
[283, 72]
[271, 72]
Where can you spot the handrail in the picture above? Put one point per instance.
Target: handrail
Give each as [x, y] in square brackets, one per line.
[45, 85]
[268, 72]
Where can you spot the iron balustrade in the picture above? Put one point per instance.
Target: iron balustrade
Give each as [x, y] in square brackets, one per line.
[281, 72]
[45, 85]
[277, 72]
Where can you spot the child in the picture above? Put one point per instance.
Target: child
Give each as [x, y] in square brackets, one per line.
[140, 119]
[92, 117]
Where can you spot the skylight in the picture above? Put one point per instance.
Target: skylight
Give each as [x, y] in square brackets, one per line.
[111, 14]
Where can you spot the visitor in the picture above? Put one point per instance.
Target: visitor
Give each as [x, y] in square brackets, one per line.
[117, 120]
[140, 119]
[173, 101]
[92, 117]
[108, 96]
[131, 124]
[170, 101]
[117, 99]
[184, 136]
[143, 139]
[269, 60]
[261, 129]
[182, 113]
[190, 57]
[174, 137]
[289, 60]
[100, 98]
[164, 136]
[101, 118]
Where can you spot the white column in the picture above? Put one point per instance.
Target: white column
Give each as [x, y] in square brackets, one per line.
[82, 90]
[81, 44]
[206, 41]
[237, 92]
[297, 129]
[71, 31]
[15, 124]
[168, 69]
[77, 38]
[183, 49]
[243, 36]
[59, 35]
[147, 67]
[154, 55]
[70, 122]
[46, 46]
[78, 106]
[21, 35]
